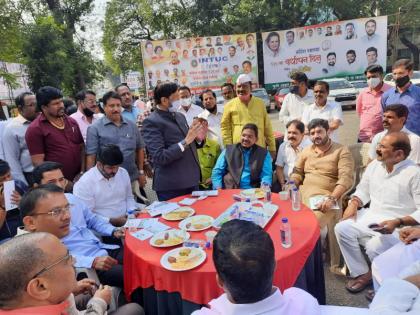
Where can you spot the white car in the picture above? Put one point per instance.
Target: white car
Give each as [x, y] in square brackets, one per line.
[342, 92]
[359, 85]
[415, 79]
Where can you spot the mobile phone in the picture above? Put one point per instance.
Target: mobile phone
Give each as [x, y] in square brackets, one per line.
[375, 227]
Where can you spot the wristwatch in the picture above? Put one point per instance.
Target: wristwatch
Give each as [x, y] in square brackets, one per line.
[184, 144]
[332, 198]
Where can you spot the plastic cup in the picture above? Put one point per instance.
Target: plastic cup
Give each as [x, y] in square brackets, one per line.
[284, 195]
[210, 236]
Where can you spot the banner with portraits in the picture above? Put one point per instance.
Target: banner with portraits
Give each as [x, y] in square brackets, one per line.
[333, 49]
[201, 62]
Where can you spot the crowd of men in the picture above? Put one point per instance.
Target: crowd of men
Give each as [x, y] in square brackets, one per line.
[78, 177]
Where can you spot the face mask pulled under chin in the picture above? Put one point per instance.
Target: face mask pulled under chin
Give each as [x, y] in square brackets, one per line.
[400, 82]
[174, 106]
[373, 82]
[294, 89]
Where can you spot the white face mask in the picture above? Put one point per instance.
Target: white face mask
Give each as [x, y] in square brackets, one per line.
[174, 106]
[373, 82]
[185, 102]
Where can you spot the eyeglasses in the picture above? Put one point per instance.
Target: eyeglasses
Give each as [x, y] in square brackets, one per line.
[66, 258]
[56, 212]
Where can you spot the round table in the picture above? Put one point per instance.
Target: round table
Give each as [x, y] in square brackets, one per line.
[142, 267]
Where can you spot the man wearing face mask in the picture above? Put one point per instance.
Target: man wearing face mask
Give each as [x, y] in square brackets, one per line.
[245, 109]
[186, 107]
[405, 93]
[87, 110]
[171, 145]
[297, 100]
[368, 104]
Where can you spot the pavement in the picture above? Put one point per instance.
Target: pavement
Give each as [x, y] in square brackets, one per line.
[336, 292]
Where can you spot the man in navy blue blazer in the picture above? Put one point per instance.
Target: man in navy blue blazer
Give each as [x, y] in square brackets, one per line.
[171, 145]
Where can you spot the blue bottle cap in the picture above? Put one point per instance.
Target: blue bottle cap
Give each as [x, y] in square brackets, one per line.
[295, 189]
[284, 220]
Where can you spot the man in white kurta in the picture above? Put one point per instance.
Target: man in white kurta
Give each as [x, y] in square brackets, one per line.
[392, 185]
[394, 118]
[247, 278]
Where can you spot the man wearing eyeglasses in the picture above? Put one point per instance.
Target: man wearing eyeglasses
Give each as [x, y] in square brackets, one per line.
[47, 209]
[45, 285]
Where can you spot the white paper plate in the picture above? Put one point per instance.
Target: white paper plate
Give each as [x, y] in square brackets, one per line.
[175, 253]
[196, 219]
[252, 193]
[180, 209]
[161, 235]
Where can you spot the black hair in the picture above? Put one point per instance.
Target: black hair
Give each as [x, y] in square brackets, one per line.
[351, 51]
[350, 23]
[109, 95]
[120, 85]
[164, 90]
[291, 32]
[4, 167]
[207, 91]
[299, 76]
[324, 83]
[30, 199]
[110, 154]
[332, 54]
[371, 20]
[406, 63]
[156, 48]
[81, 95]
[232, 47]
[247, 62]
[399, 109]
[39, 170]
[298, 124]
[402, 142]
[318, 122]
[46, 94]
[372, 49]
[374, 69]
[228, 84]
[272, 34]
[184, 87]
[252, 127]
[20, 99]
[243, 255]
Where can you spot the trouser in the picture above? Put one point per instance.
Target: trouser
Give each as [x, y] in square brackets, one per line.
[29, 178]
[351, 236]
[139, 193]
[164, 195]
[114, 276]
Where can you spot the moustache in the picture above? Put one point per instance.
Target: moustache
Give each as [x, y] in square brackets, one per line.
[291, 138]
[378, 153]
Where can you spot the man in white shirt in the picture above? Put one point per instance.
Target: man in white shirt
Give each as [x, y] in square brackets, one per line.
[297, 100]
[392, 185]
[212, 115]
[106, 187]
[324, 109]
[394, 118]
[186, 108]
[243, 254]
[289, 150]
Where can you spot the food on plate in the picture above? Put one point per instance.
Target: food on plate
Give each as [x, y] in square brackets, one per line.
[159, 242]
[184, 252]
[184, 259]
[171, 260]
[169, 239]
[179, 214]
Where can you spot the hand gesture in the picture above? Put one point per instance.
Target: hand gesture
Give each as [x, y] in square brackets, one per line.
[16, 197]
[410, 235]
[389, 226]
[119, 233]
[193, 132]
[85, 286]
[350, 212]
[104, 263]
[104, 293]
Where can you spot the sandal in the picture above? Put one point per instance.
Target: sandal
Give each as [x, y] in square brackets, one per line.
[359, 284]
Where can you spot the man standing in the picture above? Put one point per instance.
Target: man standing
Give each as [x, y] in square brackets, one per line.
[228, 92]
[129, 112]
[394, 119]
[297, 100]
[368, 103]
[322, 108]
[53, 136]
[246, 109]
[244, 164]
[391, 185]
[15, 148]
[325, 168]
[405, 93]
[87, 111]
[172, 146]
[118, 130]
[289, 150]
[212, 115]
[186, 107]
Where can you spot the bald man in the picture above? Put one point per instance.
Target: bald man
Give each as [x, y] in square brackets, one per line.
[391, 184]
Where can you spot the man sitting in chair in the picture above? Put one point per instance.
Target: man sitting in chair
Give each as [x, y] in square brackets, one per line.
[243, 165]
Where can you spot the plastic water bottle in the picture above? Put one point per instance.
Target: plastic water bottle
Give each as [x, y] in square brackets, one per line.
[295, 199]
[290, 186]
[267, 192]
[285, 233]
[131, 214]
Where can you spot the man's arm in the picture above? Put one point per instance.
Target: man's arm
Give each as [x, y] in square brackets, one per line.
[226, 126]
[95, 222]
[337, 120]
[284, 114]
[92, 146]
[82, 157]
[219, 171]
[359, 104]
[267, 170]
[35, 142]
[12, 154]
[298, 174]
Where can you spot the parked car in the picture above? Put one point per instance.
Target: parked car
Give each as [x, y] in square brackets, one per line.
[415, 79]
[279, 97]
[342, 92]
[359, 85]
[262, 93]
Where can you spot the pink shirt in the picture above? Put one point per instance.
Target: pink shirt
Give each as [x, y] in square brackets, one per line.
[83, 123]
[369, 109]
[293, 301]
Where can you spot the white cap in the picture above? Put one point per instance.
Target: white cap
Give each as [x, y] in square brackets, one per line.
[243, 78]
[203, 115]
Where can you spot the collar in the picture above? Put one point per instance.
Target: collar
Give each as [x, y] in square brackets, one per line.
[402, 164]
[99, 177]
[328, 104]
[62, 308]
[107, 121]
[22, 120]
[410, 89]
[323, 152]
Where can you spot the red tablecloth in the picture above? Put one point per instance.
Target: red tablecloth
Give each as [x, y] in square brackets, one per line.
[142, 267]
